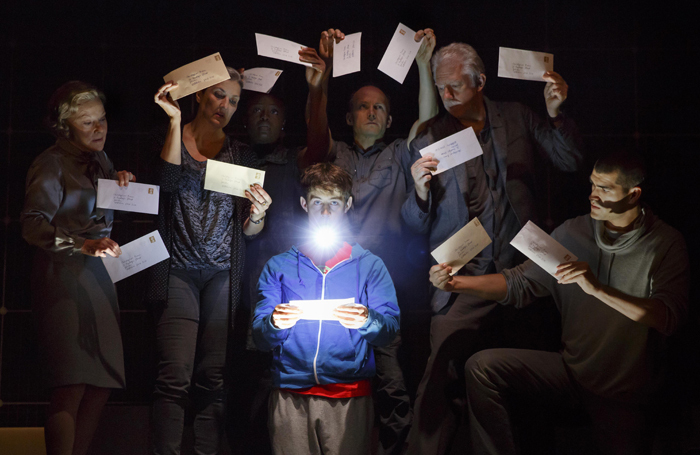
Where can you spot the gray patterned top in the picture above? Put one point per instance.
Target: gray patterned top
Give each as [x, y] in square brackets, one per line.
[203, 219]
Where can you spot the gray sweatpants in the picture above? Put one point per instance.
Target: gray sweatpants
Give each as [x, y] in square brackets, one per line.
[308, 424]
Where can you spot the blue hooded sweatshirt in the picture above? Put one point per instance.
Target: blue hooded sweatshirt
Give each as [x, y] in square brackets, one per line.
[324, 352]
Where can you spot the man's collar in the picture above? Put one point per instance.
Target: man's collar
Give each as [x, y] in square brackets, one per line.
[378, 145]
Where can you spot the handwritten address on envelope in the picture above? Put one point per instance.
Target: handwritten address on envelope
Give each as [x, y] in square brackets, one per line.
[136, 197]
[198, 75]
[346, 55]
[231, 178]
[522, 64]
[463, 246]
[260, 79]
[454, 150]
[136, 256]
[541, 248]
[278, 48]
[400, 54]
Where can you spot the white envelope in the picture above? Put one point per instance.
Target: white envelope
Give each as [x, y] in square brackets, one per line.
[320, 309]
[346, 55]
[525, 65]
[461, 248]
[260, 79]
[198, 75]
[400, 54]
[542, 249]
[136, 256]
[281, 49]
[137, 197]
[454, 149]
[231, 178]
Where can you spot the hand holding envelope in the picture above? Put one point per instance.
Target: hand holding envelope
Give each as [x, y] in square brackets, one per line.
[326, 46]
[425, 51]
[317, 72]
[579, 273]
[231, 178]
[400, 54]
[534, 66]
[278, 48]
[136, 197]
[322, 310]
[197, 76]
[285, 315]
[346, 55]
[260, 79]
[453, 150]
[524, 65]
[542, 249]
[555, 92]
[136, 256]
[351, 315]
[463, 246]
[166, 101]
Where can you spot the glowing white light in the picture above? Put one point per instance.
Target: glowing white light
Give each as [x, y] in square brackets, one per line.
[325, 236]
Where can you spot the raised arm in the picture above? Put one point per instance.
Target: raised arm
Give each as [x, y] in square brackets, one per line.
[427, 98]
[558, 135]
[171, 151]
[318, 136]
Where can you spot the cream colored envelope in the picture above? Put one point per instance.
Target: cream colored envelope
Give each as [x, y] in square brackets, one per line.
[525, 65]
[231, 178]
[461, 248]
[400, 54]
[542, 249]
[454, 149]
[197, 76]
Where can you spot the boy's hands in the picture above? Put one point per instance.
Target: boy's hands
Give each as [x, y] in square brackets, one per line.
[352, 315]
[285, 315]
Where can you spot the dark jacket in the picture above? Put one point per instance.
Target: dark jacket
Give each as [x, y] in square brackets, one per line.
[518, 134]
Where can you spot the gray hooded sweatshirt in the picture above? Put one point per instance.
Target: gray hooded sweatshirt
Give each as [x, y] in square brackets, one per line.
[609, 354]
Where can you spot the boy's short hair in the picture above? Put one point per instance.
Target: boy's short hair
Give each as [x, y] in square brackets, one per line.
[327, 177]
[630, 165]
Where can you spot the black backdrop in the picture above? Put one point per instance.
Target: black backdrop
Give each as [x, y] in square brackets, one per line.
[631, 72]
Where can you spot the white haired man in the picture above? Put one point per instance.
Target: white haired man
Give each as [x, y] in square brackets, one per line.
[496, 187]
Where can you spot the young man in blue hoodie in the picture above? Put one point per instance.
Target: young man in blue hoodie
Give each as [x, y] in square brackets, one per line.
[322, 368]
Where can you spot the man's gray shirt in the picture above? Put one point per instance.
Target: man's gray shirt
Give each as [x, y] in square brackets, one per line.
[608, 353]
[380, 179]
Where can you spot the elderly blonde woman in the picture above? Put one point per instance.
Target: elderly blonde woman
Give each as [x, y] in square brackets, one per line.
[73, 299]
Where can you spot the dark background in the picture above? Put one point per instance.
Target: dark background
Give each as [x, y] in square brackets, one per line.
[631, 71]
